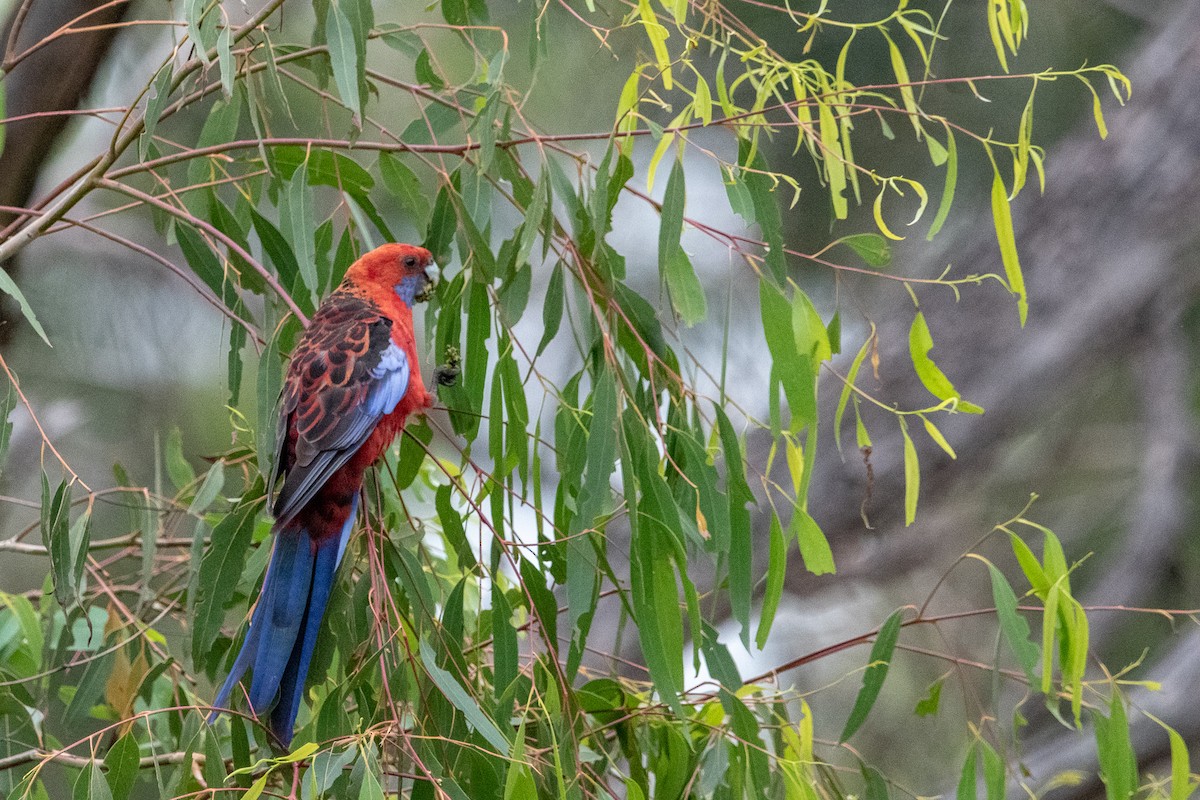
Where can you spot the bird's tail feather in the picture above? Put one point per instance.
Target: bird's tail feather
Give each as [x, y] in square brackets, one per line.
[285, 623]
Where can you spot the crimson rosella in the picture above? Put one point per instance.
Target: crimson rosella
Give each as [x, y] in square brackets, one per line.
[352, 381]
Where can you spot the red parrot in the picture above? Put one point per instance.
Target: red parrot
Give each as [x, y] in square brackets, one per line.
[353, 380]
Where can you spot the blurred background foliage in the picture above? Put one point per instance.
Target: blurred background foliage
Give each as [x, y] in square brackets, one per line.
[1090, 407]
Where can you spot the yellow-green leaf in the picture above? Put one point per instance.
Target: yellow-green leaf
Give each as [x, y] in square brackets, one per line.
[905, 85]
[848, 387]
[920, 342]
[937, 436]
[912, 476]
[951, 182]
[658, 41]
[1002, 216]
[877, 208]
[814, 547]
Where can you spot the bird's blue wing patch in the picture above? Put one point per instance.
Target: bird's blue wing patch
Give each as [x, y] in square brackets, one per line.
[391, 381]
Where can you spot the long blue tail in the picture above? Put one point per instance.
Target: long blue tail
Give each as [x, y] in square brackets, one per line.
[285, 624]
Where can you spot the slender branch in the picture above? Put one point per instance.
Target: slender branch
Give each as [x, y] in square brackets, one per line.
[41, 431]
[90, 175]
[213, 231]
[37, 754]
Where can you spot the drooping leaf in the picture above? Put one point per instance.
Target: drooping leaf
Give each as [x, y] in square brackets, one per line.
[1118, 762]
[943, 211]
[912, 476]
[687, 295]
[65, 546]
[920, 342]
[220, 572]
[347, 23]
[121, 763]
[1013, 626]
[461, 700]
[870, 247]
[1002, 216]
[873, 677]
[776, 571]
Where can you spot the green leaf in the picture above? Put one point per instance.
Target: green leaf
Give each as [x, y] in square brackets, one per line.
[814, 547]
[371, 789]
[121, 763]
[31, 627]
[346, 35]
[1118, 763]
[759, 184]
[10, 288]
[793, 369]
[91, 785]
[425, 72]
[994, 776]
[967, 779]
[920, 342]
[552, 308]
[327, 766]
[519, 783]
[156, 101]
[201, 22]
[687, 294]
[652, 576]
[269, 382]
[442, 225]
[951, 182]
[296, 214]
[938, 438]
[912, 476]
[4, 128]
[62, 542]
[322, 168]
[404, 185]
[279, 253]
[178, 468]
[1013, 626]
[7, 403]
[776, 571]
[928, 705]
[213, 769]
[459, 698]
[658, 41]
[875, 787]
[220, 572]
[812, 337]
[504, 643]
[413, 444]
[870, 247]
[881, 657]
[583, 571]
[225, 59]
[1002, 217]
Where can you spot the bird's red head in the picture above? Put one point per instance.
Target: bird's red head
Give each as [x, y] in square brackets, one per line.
[406, 269]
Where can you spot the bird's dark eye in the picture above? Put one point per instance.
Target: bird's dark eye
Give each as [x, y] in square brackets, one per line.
[410, 261]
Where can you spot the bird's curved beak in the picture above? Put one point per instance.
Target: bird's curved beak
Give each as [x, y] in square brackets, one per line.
[433, 274]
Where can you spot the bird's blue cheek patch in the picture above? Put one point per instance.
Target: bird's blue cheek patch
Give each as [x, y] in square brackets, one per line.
[407, 288]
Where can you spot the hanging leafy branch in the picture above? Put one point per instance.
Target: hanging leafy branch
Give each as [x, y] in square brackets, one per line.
[461, 655]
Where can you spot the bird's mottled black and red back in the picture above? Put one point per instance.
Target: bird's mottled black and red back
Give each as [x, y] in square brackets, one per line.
[323, 414]
[351, 370]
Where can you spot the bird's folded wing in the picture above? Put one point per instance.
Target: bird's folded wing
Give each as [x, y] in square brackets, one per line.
[345, 376]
